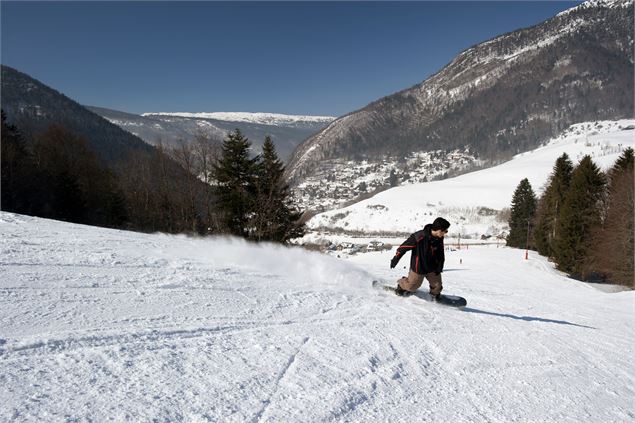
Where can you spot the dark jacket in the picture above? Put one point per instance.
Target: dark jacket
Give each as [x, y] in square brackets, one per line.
[427, 252]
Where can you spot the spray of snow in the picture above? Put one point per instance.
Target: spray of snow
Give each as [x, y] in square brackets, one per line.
[311, 270]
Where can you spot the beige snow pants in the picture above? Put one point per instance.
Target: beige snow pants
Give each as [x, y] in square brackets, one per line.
[414, 280]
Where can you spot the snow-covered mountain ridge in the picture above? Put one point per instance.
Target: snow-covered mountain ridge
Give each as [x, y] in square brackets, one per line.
[611, 4]
[100, 324]
[286, 131]
[260, 118]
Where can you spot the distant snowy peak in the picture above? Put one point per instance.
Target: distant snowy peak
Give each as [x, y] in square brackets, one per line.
[598, 3]
[494, 57]
[257, 118]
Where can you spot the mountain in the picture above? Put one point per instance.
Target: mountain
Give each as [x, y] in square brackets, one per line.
[274, 119]
[33, 106]
[154, 129]
[473, 202]
[154, 327]
[496, 99]
[286, 131]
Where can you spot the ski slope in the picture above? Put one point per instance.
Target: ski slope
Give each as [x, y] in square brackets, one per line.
[99, 324]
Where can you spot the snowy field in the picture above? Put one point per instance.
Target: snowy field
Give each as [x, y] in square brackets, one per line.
[100, 325]
[461, 199]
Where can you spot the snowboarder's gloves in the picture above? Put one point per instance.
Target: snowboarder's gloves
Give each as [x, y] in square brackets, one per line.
[394, 262]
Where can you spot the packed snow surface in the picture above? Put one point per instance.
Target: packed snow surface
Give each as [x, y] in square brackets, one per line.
[99, 324]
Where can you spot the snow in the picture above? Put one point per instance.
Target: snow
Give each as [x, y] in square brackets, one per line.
[611, 4]
[99, 324]
[321, 191]
[461, 198]
[259, 118]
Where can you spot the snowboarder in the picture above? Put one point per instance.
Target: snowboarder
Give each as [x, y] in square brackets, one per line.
[426, 260]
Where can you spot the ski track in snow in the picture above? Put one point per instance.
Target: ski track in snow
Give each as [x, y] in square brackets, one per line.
[100, 324]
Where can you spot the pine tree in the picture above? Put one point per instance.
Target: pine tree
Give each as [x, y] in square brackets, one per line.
[393, 180]
[580, 213]
[623, 164]
[613, 252]
[522, 212]
[273, 217]
[16, 166]
[550, 204]
[235, 176]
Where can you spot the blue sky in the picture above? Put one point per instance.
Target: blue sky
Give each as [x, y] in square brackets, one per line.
[320, 58]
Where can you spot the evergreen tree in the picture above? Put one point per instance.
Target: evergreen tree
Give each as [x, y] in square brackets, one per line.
[550, 204]
[522, 213]
[273, 218]
[580, 213]
[235, 176]
[623, 164]
[613, 252]
[17, 167]
[393, 180]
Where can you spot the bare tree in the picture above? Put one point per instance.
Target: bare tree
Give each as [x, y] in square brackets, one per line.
[207, 152]
[183, 154]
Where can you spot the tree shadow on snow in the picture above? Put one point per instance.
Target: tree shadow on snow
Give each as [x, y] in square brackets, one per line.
[525, 318]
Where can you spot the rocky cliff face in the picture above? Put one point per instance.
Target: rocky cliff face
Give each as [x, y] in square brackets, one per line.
[494, 100]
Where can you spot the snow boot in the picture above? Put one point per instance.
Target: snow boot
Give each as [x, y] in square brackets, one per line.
[402, 292]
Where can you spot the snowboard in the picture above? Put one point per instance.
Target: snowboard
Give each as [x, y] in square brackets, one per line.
[449, 300]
